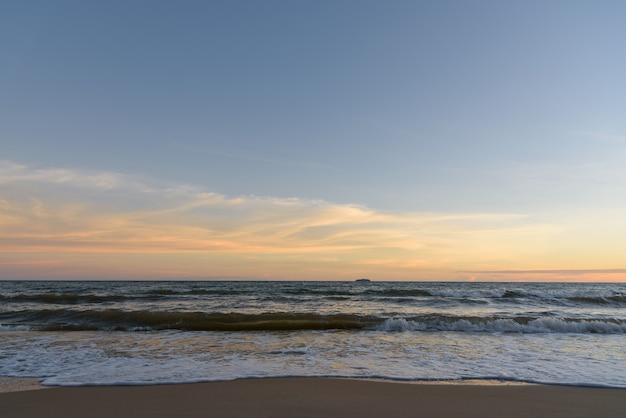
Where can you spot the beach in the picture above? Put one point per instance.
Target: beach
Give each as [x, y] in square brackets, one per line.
[315, 397]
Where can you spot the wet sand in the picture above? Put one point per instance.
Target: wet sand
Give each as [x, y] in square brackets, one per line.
[18, 384]
[315, 397]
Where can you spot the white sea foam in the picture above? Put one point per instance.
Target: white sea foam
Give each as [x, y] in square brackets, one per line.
[468, 293]
[539, 325]
[81, 358]
[4, 327]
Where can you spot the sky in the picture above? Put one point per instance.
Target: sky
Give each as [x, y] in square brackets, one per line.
[313, 140]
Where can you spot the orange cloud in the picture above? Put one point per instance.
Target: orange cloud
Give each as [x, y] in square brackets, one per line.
[70, 224]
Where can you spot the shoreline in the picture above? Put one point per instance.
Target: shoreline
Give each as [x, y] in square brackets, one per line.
[19, 384]
[314, 397]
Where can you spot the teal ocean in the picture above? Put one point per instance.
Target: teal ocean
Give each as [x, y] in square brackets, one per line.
[86, 332]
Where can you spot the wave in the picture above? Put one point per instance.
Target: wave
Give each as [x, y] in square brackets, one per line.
[564, 295]
[73, 299]
[64, 298]
[599, 300]
[513, 325]
[399, 292]
[119, 320]
[4, 327]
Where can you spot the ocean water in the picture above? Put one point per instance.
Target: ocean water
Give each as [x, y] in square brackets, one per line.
[93, 333]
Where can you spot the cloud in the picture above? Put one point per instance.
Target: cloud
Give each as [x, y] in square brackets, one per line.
[97, 223]
[11, 172]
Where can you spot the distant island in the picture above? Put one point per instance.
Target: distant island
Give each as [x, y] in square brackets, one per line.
[362, 280]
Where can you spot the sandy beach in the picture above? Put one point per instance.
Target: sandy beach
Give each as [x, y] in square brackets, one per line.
[315, 397]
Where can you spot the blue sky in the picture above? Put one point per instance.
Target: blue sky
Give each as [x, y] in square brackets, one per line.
[407, 109]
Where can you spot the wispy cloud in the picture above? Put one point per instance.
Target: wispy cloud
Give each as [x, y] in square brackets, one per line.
[11, 172]
[95, 223]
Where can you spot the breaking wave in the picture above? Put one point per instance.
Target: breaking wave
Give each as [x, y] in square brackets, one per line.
[516, 325]
[119, 320]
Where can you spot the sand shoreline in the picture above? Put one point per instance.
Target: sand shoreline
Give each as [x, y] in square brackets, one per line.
[19, 384]
[315, 397]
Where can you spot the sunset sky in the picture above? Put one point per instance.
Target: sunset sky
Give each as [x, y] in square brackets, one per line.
[330, 140]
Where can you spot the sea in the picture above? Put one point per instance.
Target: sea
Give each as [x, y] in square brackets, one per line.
[70, 333]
